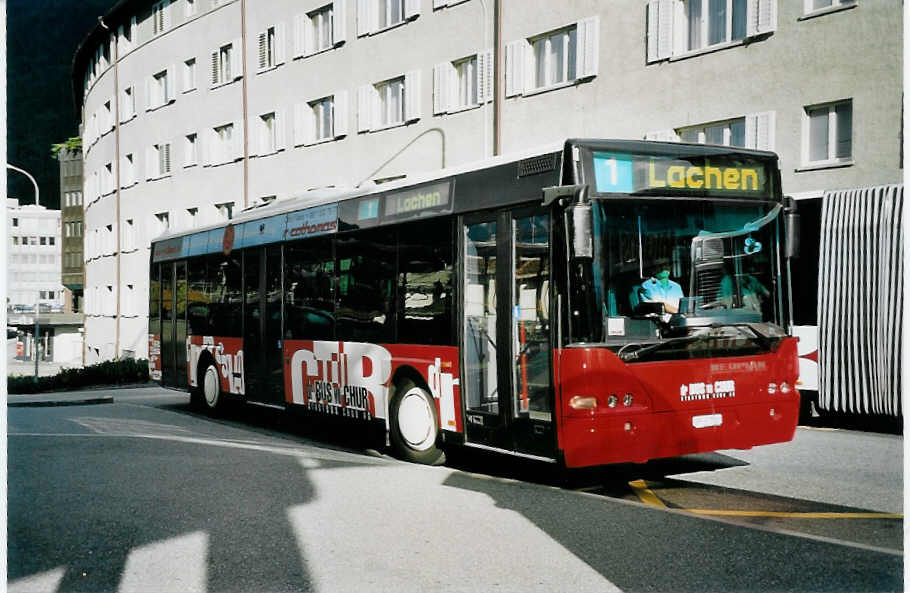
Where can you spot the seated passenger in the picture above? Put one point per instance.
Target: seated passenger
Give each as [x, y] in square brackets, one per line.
[660, 289]
[753, 292]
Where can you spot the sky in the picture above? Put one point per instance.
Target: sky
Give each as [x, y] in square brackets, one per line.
[42, 37]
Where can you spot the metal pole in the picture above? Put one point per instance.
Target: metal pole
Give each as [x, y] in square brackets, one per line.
[37, 294]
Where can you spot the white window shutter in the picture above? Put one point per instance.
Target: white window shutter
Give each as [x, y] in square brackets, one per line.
[280, 43]
[214, 78]
[338, 21]
[124, 182]
[151, 161]
[485, 76]
[761, 17]
[365, 17]
[300, 22]
[760, 129]
[451, 76]
[167, 8]
[411, 9]
[237, 137]
[515, 67]
[208, 147]
[663, 135]
[166, 158]
[171, 84]
[298, 123]
[263, 50]
[237, 59]
[340, 117]
[660, 29]
[308, 124]
[588, 50]
[365, 108]
[440, 80]
[309, 36]
[149, 101]
[280, 125]
[412, 95]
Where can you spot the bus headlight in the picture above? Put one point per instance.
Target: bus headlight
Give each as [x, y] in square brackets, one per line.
[627, 400]
[580, 402]
[772, 388]
[612, 401]
[785, 388]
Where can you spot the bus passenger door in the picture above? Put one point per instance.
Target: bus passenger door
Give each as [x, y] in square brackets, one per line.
[506, 332]
[180, 351]
[168, 368]
[262, 324]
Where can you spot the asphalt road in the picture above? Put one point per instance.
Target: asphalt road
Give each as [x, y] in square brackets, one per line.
[146, 495]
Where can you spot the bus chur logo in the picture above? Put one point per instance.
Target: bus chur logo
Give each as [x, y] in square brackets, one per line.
[699, 391]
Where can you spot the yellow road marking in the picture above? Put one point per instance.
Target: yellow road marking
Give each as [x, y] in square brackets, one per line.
[645, 494]
[795, 515]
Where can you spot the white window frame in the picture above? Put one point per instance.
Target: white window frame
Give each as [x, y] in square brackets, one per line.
[834, 125]
[759, 131]
[372, 13]
[158, 161]
[668, 30]
[190, 150]
[189, 8]
[225, 210]
[836, 6]
[160, 89]
[308, 40]
[189, 74]
[127, 103]
[127, 171]
[226, 64]
[307, 129]
[725, 127]
[521, 61]
[387, 91]
[323, 111]
[271, 48]
[268, 133]
[224, 144]
[448, 83]
[161, 17]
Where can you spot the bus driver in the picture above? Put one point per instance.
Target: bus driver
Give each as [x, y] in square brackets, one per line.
[660, 289]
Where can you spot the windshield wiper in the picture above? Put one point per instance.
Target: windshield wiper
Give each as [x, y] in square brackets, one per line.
[635, 354]
[756, 336]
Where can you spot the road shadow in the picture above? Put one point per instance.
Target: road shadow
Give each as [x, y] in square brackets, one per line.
[125, 493]
[639, 548]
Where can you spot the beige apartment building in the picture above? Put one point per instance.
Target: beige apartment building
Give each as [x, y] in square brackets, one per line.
[195, 109]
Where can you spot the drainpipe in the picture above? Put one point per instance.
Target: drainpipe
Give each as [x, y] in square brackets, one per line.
[246, 138]
[497, 77]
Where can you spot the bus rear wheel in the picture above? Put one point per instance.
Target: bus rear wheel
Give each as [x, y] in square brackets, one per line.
[413, 424]
[208, 392]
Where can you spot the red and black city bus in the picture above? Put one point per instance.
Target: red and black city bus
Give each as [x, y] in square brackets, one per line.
[507, 306]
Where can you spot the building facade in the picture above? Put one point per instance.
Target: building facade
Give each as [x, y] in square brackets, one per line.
[194, 109]
[33, 270]
[72, 226]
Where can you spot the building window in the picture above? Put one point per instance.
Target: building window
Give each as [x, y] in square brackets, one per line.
[711, 22]
[554, 59]
[222, 144]
[51, 240]
[162, 222]
[158, 162]
[160, 89]
[463, 83]
[755, 130]
[161, 16]
[15, 221]
[189, 9]
[225, 68]
[322, 118]
[377, 15]
[108, 180]
[824, 5]
[189, 75]
[391, 102]
[128, 171]
[128, 104]
[225, 210]
[271, 47]
[43, 240]
[190, 155]
[267, 134]
[828, 132]
[466, 78]
[321, 27]
[191, 217]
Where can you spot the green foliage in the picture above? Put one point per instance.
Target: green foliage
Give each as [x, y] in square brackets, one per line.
[112, 372]
[71, 145]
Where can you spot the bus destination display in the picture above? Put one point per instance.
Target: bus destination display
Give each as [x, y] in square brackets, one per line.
[702, 175]
[429, 198]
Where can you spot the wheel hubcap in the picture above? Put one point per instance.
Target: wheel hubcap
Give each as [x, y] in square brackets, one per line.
[415, 420]
[210, 386]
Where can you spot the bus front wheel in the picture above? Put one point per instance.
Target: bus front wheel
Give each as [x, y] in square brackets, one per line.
[413, 424]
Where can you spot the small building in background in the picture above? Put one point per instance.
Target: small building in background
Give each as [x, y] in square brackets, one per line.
[72, 217]
[33, 270]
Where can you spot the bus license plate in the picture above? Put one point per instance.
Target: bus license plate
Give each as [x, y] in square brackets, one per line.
[707, 420]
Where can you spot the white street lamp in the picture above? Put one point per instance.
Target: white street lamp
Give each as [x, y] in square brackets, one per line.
[37, 294]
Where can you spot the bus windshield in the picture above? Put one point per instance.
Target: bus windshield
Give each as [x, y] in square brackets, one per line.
[683, 268]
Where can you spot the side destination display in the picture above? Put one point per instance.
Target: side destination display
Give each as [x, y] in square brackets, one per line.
[713, 175]
[311, 222]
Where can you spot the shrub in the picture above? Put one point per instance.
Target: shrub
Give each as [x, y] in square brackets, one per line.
[111, 372]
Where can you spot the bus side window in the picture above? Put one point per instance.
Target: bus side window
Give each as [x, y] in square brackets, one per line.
[365, 311]
[309, 303]
[425, 283]
[224, 295]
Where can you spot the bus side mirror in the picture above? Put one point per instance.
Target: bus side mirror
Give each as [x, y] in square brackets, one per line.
[581, 231]
[791, 228]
